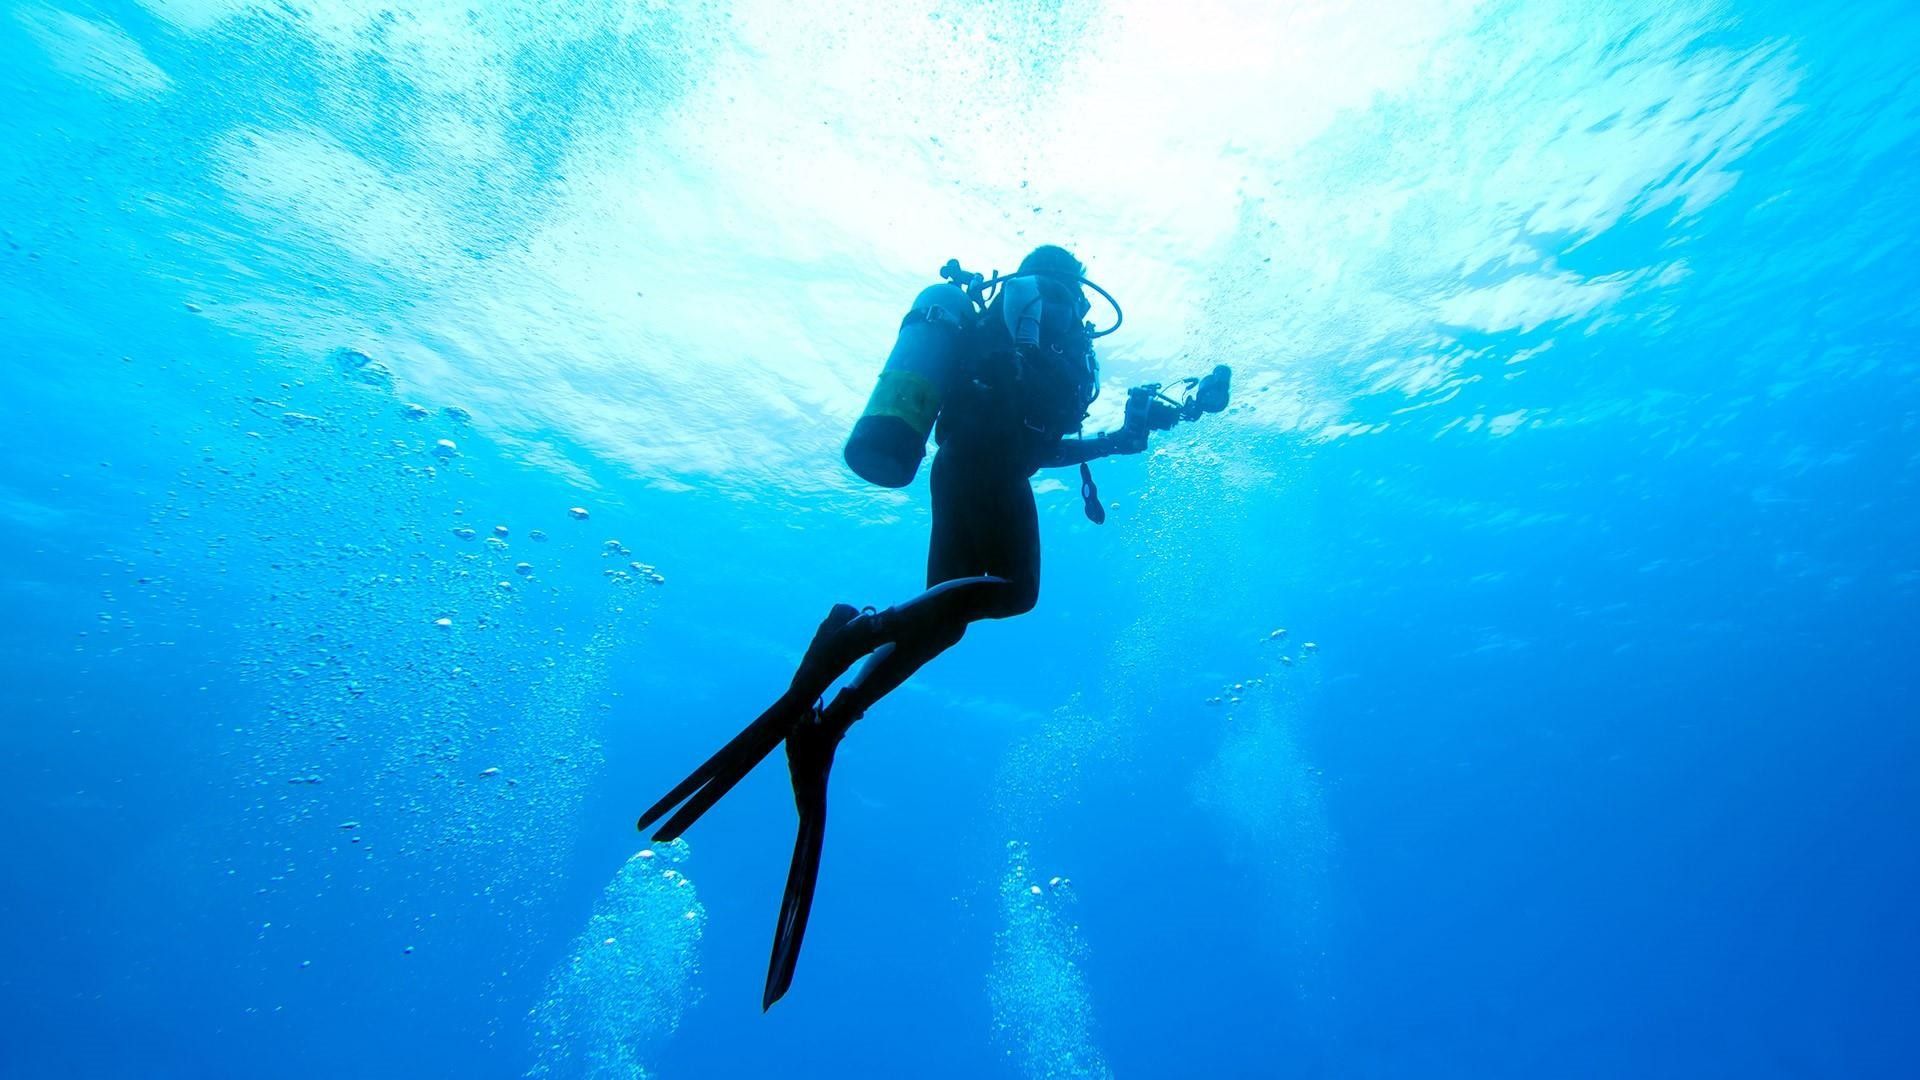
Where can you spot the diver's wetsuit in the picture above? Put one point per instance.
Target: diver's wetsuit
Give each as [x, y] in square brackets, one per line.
[983, 562]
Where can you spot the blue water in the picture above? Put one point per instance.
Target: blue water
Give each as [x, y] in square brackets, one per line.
[1576, 427]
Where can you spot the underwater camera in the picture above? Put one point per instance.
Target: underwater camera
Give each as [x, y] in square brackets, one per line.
[1150, 408]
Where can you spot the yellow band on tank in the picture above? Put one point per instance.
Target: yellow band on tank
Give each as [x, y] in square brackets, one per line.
[907, 395]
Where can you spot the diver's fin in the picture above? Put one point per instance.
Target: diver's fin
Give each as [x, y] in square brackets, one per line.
[802, 875]
[746, 754]
[728, 759]
[705, 785]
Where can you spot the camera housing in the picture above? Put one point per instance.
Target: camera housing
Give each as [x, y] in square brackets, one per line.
[1150, 409]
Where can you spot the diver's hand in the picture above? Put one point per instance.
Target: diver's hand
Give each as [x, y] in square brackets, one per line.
[1129, 439]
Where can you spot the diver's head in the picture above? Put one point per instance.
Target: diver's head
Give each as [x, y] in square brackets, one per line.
[1054, 260]
[1060, 272]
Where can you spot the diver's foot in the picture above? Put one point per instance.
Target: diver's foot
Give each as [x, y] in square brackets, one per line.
[835, 719]
[845, 635]
[810, 748]
[815, 662]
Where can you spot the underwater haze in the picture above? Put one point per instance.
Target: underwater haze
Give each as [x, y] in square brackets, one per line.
[423, 429]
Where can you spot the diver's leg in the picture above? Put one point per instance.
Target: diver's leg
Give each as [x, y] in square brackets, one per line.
[982, 513]
[1006, 543]
[968, 508]
[922, 629]
[996, 527]
[910, 634]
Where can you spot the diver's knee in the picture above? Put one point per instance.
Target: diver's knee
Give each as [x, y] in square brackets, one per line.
[1020, 599]
[946, 637]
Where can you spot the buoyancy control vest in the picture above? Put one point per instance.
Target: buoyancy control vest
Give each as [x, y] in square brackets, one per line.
[1017, 373]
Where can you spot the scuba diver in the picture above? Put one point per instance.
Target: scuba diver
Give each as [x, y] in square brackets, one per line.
[1006, 367]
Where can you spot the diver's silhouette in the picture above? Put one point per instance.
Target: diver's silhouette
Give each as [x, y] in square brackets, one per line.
[1006, 366]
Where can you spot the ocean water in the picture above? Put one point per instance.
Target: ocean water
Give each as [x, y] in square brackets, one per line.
[422, 430]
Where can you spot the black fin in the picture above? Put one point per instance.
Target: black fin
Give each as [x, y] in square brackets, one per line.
[727, 759]
[743, 760]
[797, 904]
[705, 785]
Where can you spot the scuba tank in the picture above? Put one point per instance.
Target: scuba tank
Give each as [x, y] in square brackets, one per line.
[933, 354]
[890, 438]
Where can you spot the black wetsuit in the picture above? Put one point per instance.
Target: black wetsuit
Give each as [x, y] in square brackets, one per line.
[983, 562]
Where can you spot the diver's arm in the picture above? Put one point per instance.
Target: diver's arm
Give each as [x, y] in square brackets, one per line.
[1068, 452]
[1148, 409]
